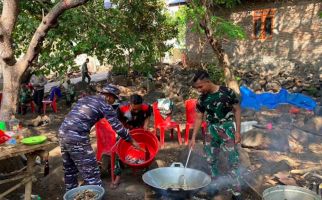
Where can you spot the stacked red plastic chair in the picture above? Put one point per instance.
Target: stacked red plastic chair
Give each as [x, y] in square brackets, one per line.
[164, 124]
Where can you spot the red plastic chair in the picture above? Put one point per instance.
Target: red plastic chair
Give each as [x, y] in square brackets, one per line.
[106, 142]
[164, 124]
[106, 138]
[52, 103]
[31, 104]
[190, 105]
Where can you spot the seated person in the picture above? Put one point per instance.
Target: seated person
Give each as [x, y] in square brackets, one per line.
[135, 114]
[54, 91]
[70, 93]
[24, 98]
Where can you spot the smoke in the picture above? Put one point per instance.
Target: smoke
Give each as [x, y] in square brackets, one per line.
[224, 181]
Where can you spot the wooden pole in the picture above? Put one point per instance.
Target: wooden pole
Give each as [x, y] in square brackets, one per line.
[30, 165]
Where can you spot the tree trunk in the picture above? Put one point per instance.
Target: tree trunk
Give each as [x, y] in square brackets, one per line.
[216, 45]
[11, 80]
[229, 76]
[13, 70]
[25, 78]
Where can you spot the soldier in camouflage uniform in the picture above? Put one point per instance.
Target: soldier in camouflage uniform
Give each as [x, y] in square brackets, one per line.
[221, 107]
[77, 153]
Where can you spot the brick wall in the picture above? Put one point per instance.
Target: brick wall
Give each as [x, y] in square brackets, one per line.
[296, 41]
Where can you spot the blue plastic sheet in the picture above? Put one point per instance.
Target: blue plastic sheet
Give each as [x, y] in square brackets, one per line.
[269, 100]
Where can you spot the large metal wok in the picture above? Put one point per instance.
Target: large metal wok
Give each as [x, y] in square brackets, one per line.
[176, 181]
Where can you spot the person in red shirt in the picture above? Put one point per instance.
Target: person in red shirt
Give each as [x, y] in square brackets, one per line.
[135, 114]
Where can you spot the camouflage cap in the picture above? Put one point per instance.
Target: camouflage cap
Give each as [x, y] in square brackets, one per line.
[111, 89]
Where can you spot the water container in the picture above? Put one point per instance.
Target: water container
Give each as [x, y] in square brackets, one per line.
[12, 140]
[247, 126]
[14, 124]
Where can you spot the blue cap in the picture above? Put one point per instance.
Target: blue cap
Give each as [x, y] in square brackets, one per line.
[111, 89]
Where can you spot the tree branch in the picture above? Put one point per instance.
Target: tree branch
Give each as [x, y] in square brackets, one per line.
[107, 29]
[47, 23]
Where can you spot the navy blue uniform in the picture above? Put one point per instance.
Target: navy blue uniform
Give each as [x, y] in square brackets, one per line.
[78, 155]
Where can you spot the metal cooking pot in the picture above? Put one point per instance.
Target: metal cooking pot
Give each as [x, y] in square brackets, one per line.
[176, 181]
[289, 192]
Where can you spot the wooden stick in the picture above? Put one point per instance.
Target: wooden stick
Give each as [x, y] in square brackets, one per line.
[303, 171]
[317, 175]
[13, 179]
[251, 187]
[303, 176]
[14, 172]
[24, 181]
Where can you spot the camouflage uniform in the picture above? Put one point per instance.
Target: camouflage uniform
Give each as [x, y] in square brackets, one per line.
[220, 138]
[77, 153]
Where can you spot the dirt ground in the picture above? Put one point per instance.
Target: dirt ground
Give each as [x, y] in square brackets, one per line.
[132, 187]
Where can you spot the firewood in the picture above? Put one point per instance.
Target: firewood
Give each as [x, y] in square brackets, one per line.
[317, 175]
[303, 171]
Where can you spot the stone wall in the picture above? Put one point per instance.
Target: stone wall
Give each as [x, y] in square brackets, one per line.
[295, 49]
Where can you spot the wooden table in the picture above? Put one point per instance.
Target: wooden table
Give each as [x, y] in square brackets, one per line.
[30, 152]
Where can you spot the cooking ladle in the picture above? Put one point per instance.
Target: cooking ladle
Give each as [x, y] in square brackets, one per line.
[188, 158]
[183, 175]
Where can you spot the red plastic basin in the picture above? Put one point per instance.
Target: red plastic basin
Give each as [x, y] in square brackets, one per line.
[147, 141]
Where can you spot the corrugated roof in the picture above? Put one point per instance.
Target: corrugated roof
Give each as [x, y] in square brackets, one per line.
[175, 2]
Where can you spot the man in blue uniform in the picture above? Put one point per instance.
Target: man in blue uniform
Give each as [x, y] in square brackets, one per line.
[77, 153]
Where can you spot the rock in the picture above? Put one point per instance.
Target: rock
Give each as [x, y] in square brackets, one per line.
[313, 125]
[124, 90]
[285, 178]
[301, 138]
[120, 80]
[262, 82]
[264, 139]
[315, 148]
[161, 163]
[248, 113]
[273, 86]
[256, 87]
[295, 145]
[318, 110]
[271, 168]
[243, 157]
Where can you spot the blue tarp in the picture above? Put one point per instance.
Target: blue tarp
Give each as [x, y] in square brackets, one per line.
[272, 100]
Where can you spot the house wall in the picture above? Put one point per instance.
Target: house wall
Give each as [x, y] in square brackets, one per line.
[295, 48]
